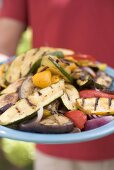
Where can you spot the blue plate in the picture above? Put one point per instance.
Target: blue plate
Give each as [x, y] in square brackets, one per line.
[8, 60]
[60, 138]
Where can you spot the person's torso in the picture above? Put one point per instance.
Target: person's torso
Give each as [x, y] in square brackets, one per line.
[86, 27]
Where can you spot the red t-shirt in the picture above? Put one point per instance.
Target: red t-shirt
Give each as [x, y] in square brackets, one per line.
[84, 26]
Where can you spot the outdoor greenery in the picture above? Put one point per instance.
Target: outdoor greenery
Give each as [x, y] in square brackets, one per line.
[16, 155]
[25, 42]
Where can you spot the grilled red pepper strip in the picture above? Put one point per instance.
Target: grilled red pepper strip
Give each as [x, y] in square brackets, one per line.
[94, 93]
[78, 118]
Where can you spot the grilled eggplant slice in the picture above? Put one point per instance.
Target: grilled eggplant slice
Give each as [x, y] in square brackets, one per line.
[53, 124]
[53, 106]
[89, 71]
[98, 106]
[7, 100]
[26, 108]
[104, 79]
[14, 87]
[84, 81]
[27, 88]
[69, 97]
[82, 78]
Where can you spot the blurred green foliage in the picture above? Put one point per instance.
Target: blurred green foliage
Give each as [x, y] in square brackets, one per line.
[25, 42]
[19, 154]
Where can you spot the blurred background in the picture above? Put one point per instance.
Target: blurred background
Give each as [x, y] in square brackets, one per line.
[17, 155]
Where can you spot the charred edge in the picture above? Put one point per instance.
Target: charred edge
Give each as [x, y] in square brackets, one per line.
[83, 101]
[54, 112]
[52, 60]
[30, 104]
[20, 75]
[4, 108]
[57, 60]
[109, 102]
[60, 68]
[44, 53]
[17, 109]
[36, 51]
[66, 61]
[83, 77]
[39, 93]
[96, 103]
[68, 96]
[17, 90]
[44, 68]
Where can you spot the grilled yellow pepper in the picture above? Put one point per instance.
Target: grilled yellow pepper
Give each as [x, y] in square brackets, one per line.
[42, 79]
[55, 79]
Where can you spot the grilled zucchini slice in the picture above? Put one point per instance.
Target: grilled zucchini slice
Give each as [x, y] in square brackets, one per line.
[59, 52]
[104, 79]
[69, 97]
[29, 62]
[13, 72]
[98, 106]
[7, 100]
[3, 70]
[53, 63]
[26, 108]
[24, 64]
[13, 87]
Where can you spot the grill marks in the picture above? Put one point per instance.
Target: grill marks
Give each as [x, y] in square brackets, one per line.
[43, 69]
[96, 103]
[17, 109]
[39, 93]
[98, 106]
[30, 104]
[68, 97]
[83, 102]
[110, 102]
[44, 53]
[35, 52]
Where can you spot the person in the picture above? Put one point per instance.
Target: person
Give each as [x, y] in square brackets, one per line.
[84, 26]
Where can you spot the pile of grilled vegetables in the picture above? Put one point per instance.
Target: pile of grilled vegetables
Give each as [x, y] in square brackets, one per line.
[54, 90]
